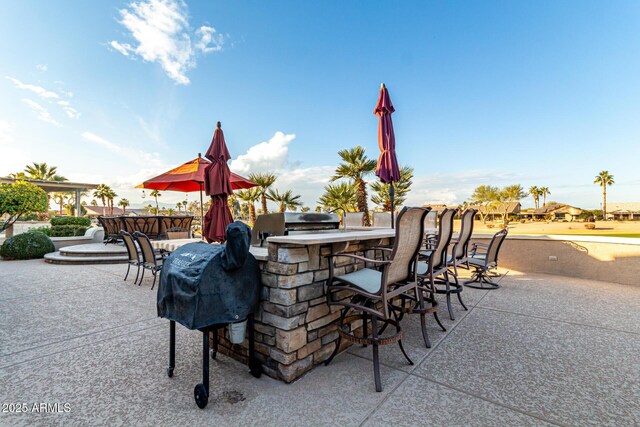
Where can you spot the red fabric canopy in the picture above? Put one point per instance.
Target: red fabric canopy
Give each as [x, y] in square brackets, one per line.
[190, 177]
[387, 169]
[217, 184]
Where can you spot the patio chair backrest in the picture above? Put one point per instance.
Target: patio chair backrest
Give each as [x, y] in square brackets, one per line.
[174, 223]
[354, 219]
[147, 225]
[431, 220]
[148, 254]
[466, 230]
[130, 244]
[439, 255]
[409, 229]
[494, 247]
[110, 224]
[381, 219]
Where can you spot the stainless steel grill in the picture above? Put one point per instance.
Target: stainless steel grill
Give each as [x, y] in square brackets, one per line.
[282, 224]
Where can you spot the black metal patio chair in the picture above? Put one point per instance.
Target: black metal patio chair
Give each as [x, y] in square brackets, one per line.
[132, 253]
[372, 291]
[484, 259]
[460, 250]
[433, 267]
[151, 260]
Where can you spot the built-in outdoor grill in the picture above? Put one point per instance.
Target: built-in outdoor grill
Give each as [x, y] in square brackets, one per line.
[207, 287]
[285, 223]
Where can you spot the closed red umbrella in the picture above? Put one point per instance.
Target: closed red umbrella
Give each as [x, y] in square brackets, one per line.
[217, 184]
[387, 169]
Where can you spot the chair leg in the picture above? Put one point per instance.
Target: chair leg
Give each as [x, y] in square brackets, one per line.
[365, 326]
[376, 356]
[459, 291]
[398, 329]
[127, 275]
[339, 340]
[448, 289]
[423, 320]
[142, 277]
[435, 314]
[155, 274]
[137, 274]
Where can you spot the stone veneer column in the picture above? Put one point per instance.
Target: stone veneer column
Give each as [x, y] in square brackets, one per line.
[295, 328]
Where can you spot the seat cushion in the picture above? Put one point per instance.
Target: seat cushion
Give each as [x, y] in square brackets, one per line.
[480, 262]
[366, 279]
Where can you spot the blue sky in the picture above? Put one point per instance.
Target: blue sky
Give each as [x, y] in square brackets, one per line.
[536, 93]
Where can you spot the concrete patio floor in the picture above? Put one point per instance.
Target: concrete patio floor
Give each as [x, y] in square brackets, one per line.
[542, 350]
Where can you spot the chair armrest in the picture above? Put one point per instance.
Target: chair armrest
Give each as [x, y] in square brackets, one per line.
[358, 257]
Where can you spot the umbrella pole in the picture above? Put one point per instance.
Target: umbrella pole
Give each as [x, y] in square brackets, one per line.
[391, 195]
[201, 215]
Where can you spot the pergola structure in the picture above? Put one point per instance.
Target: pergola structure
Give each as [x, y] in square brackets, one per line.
[57, 187]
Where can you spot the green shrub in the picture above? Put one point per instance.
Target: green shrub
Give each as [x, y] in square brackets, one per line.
[29, 245]
[67, 230]
[46, 230]
[70, 220]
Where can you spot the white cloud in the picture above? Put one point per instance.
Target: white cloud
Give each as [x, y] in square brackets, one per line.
[42, 67]
[71, 112]
[41, 112]
[265, 156]
[138, 157]
[38, 90]
[123, 48]
[162, 34]
[210, 40]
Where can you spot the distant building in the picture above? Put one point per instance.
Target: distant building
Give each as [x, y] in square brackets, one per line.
[553, 212]
[95, 211]
[623, 211]
[495, 212]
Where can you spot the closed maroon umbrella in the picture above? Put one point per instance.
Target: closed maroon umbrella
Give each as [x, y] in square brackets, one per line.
[217, 184]
[387, 169]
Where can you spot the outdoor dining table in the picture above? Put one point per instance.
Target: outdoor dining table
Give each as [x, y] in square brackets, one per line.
[172, 245]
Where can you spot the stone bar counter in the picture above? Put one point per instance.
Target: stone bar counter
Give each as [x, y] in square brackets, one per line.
[295, 327]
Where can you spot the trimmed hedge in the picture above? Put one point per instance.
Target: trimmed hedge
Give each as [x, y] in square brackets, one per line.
[29, 245]
[70, 220]
[67, 231]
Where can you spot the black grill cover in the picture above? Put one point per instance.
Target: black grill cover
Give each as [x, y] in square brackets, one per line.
[203, 285]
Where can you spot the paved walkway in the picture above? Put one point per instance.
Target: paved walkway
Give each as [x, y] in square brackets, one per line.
[542, 350]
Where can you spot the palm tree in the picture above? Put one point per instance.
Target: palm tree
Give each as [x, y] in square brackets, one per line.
[356, 166]
[170, 211]
[43, 172]
[124, 203]
[60, 199]
[402, 187]
[234, 205]
[94, 202]
[544, 191]
[264, 181]
[179, 206]
[603, 179]
[250, 195]
[110, 196]
[286, 199]
[184, 205]
[102, 192]
[156, 194]
[341, 196]
[535, 193]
